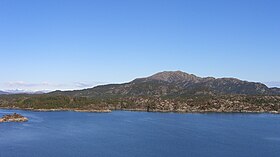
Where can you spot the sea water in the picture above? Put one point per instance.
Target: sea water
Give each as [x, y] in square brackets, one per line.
[140, 134]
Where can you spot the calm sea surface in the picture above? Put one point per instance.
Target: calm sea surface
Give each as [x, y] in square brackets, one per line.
[140, 134]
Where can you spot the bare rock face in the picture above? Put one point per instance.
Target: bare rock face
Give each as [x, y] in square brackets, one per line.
[13, 118]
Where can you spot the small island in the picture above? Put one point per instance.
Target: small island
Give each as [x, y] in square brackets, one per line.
[13, 118]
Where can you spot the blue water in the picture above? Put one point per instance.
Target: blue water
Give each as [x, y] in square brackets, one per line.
[140, 134]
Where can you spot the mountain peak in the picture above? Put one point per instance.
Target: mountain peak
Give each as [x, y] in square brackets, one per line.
[174, 76]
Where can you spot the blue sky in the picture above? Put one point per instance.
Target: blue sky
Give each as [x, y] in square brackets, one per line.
[71, 44]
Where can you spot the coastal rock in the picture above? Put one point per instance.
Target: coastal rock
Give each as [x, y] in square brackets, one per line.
[13, 118]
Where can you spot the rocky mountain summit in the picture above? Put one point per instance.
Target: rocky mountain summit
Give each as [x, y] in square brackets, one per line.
[186, 84]
[173, 77]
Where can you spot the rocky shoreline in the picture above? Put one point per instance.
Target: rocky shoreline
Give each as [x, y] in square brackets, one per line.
[74, 110]
[141, 110]
[13, 118]
[57, 110]
[206, 111]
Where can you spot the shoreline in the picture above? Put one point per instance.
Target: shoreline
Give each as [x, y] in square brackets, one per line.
[57, 110]
[202, 112]
[138, 110]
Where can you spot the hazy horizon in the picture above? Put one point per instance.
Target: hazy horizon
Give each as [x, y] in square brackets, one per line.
[70, 44]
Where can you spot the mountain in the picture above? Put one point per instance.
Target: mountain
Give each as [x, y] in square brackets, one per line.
[169, 91]
[3, 93]
[275, 90]
[17, 91]
[176, 84]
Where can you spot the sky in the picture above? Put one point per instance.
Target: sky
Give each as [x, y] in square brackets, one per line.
[75, 44]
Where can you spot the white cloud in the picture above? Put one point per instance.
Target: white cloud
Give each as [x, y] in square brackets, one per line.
[83, 85]
[88, 85]
[273, 84]
[21, 85]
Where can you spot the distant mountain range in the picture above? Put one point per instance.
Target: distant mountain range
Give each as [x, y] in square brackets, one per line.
[2, 92]
[17, 91]
[176, 84]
